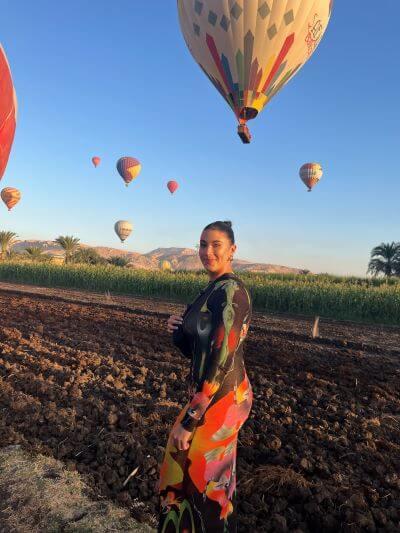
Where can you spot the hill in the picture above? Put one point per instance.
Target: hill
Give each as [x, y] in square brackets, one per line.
[180, 258]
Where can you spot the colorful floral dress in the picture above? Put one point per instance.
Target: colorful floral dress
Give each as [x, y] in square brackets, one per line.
[198, 486]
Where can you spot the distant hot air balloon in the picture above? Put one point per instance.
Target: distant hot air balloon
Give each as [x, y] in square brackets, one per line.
[96, 161]
[123, 228]
[172, 186]
[10, 197]
[250, 49]
[8, 111]
[165, 265]
[310, 174]
[129, 168]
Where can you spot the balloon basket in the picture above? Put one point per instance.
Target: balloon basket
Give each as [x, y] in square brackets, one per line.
[244, 133]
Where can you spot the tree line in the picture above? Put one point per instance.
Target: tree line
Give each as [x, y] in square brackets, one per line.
[384, 261]
[73, 252]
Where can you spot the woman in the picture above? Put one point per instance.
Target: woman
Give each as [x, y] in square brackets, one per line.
[198, 475]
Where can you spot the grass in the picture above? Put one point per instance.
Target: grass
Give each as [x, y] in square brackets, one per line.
[37, 494]
[358, 299]
[271, 478]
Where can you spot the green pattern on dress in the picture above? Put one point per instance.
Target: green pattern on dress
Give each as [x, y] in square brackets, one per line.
[176, 518]
[228, 318]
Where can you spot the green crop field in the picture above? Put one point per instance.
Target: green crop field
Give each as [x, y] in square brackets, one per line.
[358, 299]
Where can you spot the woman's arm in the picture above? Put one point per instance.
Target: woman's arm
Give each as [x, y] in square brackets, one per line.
[230, 307]
[181, 340]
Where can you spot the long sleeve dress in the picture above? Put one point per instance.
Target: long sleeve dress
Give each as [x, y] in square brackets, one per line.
[197, 486]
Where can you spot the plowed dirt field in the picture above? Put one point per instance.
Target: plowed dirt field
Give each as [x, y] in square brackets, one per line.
[94, 380]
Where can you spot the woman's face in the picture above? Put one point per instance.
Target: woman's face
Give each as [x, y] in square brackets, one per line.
[215, 250]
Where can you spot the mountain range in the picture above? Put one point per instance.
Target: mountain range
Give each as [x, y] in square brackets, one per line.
[180, 258]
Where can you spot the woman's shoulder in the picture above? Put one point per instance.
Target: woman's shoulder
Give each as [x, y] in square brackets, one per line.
[231, 287]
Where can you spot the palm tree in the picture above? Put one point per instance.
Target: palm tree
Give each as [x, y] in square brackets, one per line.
[7, 239]
[36, 254]
[89, 256]
[70, 246]
[119, 261]
[385, 259]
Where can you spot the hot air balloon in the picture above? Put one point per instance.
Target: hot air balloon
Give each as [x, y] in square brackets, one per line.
[250, 49]
[165, 265]
[123, 228]
[172, 186]
[129, 168]
[8, 111]
[96, 161]
[310, 174]
[10, 197]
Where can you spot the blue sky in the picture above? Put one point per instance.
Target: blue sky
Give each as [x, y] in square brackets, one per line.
[115, 78]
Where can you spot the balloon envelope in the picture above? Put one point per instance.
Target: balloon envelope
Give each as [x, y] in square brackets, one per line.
[128, 168]
[96, 161]
[8, 111]
[172, 186]
[165, 265]
[249, 49]
[123, 228]
[310, 174]
[10, 197]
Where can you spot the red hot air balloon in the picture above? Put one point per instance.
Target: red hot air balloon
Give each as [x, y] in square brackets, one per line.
[172, 186]
[8, 111]
[96, 161]
[128, 168]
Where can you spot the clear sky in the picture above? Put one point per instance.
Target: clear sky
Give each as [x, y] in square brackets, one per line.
[114, 78]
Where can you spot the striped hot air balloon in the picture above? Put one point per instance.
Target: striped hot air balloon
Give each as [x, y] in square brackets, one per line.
[310, 174]
[250, 49]
[129, 168]
[10, 197]
[8, 111]
[96, 161]
[172, 186]
[123, 228]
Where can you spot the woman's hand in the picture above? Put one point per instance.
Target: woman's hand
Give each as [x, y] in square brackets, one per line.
[173, 322]
[180, 437]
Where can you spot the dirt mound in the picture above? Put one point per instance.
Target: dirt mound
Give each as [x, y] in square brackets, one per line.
[37, 494]
[99, 388]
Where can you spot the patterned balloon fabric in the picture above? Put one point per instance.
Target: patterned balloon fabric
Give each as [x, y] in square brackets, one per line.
[10, 197]
[123, 228]
[129, 168]
[8, 111]
[250, 49]
[310, 174]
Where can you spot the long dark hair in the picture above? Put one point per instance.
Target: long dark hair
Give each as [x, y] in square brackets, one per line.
[223, 225]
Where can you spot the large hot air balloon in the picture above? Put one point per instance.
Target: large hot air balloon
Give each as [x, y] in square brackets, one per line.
[96, 161]
[310, 174]
[128, 168]
[172, 186]
[8, 111]
[10, 197]
[123, 228]
[250, 49]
